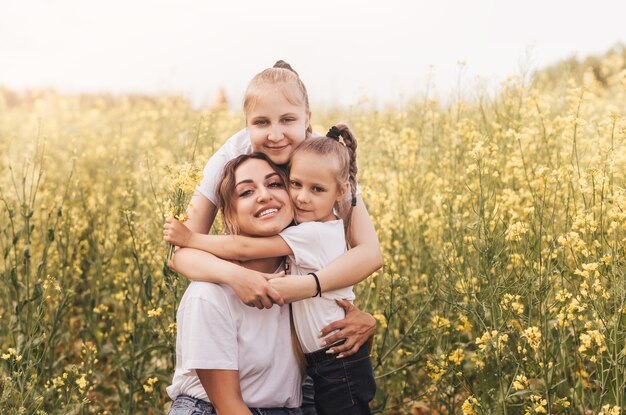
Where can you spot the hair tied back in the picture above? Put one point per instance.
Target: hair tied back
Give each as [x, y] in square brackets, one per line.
[334, 133]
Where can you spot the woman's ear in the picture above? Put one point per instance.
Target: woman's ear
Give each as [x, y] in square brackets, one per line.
[308, 119]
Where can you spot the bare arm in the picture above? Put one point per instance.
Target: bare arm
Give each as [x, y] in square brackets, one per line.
[201, 214]
[223, 389]
[250, 286]
[361, 260]
[349, 269]
[233, 247]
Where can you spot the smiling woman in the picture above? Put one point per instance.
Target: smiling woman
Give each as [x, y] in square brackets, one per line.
[219, 364]
[247, 184]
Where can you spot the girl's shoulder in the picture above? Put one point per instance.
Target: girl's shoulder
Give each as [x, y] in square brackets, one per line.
[237, 144]
[316, 228]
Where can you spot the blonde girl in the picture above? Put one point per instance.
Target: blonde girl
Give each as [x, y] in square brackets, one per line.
[322, 187]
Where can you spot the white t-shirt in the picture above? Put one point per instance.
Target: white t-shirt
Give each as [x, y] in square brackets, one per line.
[235, 146]
[215, 330]
[314, 246]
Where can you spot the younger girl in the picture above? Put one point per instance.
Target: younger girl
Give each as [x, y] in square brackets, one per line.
[322, 174]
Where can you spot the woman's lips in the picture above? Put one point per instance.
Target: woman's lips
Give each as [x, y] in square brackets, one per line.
[267, 211]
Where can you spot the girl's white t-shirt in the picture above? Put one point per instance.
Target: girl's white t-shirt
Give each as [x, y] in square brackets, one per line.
[314, 246]
[235, 146]
[215, 330]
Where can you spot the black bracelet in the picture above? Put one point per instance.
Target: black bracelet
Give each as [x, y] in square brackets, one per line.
[317, 283]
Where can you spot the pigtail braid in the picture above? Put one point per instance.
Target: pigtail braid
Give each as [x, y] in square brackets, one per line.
[349, 142]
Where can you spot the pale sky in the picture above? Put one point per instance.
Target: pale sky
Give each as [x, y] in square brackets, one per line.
[343, 50]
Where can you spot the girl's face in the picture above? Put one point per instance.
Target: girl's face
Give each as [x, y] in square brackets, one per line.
[313, 187]
[276, 126]
[261, 202]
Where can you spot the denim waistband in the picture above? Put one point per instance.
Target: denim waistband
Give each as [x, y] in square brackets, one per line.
[197, 403]
[209, 408]
[320, 356]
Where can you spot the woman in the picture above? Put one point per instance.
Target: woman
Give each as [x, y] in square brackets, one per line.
[231, 358]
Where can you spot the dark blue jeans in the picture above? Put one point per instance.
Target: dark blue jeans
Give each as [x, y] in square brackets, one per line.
[187, 405]
[342, 386]
[308, 398]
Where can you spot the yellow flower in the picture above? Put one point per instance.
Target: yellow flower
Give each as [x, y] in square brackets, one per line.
[457, 356]
[520, 383]
[155, 312]
[471, 406]
[440, 322]
[82, 382]
[382, 320]
[533, 337]
[610, 410]
[589, 338]
[538, 405]
[148, 387]
[435, 371]
[516, 231]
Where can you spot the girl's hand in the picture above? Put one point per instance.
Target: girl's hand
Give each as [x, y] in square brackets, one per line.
[356, 328]
[254, 290]
[176, 233]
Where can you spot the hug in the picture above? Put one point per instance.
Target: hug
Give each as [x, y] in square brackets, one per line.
[272, 299]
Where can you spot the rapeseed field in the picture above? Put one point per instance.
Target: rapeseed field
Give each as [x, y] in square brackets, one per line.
[502, 221]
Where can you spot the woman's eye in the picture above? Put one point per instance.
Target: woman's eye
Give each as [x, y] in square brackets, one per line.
[260, 122]
[318, 189]
[289, 119]
[245, 193]
[276, 184]
[294, 184]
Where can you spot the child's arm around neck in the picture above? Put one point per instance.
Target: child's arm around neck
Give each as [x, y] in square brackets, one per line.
[361, 260]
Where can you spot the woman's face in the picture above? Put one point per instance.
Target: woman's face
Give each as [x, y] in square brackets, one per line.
[261, 202]
[276, 126]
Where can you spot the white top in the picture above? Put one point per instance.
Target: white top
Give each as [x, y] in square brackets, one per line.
[235, 146]
[217, 331]
[314, 246]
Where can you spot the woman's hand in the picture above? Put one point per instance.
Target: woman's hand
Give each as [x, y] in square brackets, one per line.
[176, 233]
[357, 327]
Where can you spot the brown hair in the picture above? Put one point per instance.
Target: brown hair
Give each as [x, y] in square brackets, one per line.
[226, 188]
[345, 157]
[280, 77]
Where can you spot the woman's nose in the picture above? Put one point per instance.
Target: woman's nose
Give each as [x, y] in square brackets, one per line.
[263, 194]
